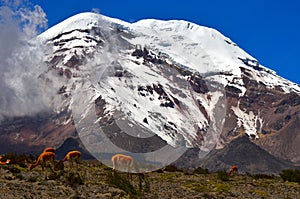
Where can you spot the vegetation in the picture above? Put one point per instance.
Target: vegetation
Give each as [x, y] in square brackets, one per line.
[91, 179]
[200, 170]
[122, 182]
[171, 168]
[290, 175]
[222, 175]
[19, 159]
[261, 176]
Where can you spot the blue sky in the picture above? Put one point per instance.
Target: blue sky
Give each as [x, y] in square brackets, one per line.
[269, 30]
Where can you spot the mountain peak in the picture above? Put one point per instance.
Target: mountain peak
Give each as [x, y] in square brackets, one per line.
[202, 49]
[182, 84]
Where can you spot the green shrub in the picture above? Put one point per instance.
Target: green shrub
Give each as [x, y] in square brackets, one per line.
[147, 185]
[222, 175]
[14, 170]
[198, 186]
[200, 170]
[144, 184]
[290, 175]
[19, 159]
[74, 178]
[122, 182]
[32, 179]
[58, 176]
[159, 171]
[20, 177]
[8, 178]
[172, 168]
[222, 187]
[263, 176]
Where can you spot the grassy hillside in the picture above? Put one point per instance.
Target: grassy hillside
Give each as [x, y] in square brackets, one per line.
[90, 179]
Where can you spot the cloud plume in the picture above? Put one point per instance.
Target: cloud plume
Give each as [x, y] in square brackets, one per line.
[21, 59]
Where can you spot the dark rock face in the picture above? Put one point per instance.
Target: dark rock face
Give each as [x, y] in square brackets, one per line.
[70, 144]
[285, 142]
[278, 133]
[247, 156]
[241, 152]
[198, 84]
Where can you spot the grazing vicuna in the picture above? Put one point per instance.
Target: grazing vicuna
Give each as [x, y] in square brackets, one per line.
[49, 149]
[43, 159]
[233, 170]
[6, 162]
[72, 156]
[122, 162]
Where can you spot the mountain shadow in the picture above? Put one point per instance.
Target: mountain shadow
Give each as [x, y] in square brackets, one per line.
[247, 156]
[71, 144]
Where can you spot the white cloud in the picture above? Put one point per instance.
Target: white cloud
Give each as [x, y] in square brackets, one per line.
[23, 92]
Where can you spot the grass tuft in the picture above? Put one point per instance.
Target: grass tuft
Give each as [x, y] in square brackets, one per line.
[290, 175]
[200, 170]
[222, 175]
[121, 182]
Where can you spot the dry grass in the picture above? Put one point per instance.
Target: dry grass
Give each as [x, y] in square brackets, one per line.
[93, 180]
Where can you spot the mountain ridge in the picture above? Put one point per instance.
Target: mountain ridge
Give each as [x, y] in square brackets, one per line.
[185, 83]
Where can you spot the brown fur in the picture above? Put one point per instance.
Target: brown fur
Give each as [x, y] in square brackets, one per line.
[120, 161]
[42, 159]
[233, 170]
[72, 156]
[49, 149]
[6, 162]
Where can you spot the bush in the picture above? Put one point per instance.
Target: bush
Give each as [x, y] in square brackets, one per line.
[59, 176]
[172, 168]
[20, 159]
[32, 179]
[144, 184]
[121, 182]
[20, 177]
[290, 175]
[200, 170]
[222, 175]
[159, 171]
[74, 178]
[14, 170]
[263, 176]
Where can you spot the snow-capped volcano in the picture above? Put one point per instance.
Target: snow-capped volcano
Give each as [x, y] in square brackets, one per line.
[171, 83]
